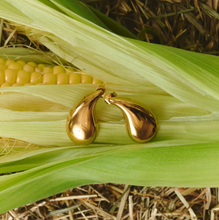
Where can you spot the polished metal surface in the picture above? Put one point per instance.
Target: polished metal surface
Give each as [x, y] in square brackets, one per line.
[141, 124]
[81, 124]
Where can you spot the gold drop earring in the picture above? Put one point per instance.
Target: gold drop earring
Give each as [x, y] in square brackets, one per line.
[82, 126]
[141, 124]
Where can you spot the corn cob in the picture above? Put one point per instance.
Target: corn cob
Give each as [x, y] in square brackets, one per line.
[20, 73]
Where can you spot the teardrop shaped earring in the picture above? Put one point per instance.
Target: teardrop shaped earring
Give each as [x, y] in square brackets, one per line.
[82, 126]
[141, 124]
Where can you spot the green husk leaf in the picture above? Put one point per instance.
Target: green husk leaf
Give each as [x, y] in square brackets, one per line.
[148, 164]
[48, 120]
[74, 7]
[88, 13]
[180, 73]
[112, 25]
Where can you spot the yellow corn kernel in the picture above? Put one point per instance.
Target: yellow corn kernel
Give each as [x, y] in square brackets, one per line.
[6, 84]
[29, 84]
[21, 62]
[74, 78]
[23, 77]
[3, 66]
[10, 76]
[17, 84]
[28, 68]
[21, 73]
[49, 78]
[8, 62]
[36, 78]
[58, 69]
[15, 66]
[32, 64]
[96, 81]
[41, 65]
[86, 79]
[2, 76]
[2, 61]
[62, 78]
[47, 70]
[38, 69]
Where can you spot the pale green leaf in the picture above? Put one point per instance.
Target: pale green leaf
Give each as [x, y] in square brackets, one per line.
[148, 164]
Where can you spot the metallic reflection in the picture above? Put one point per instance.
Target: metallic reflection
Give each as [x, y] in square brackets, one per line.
[140, 122]
[81, 123]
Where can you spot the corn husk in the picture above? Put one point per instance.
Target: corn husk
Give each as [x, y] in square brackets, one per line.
[180, 87]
